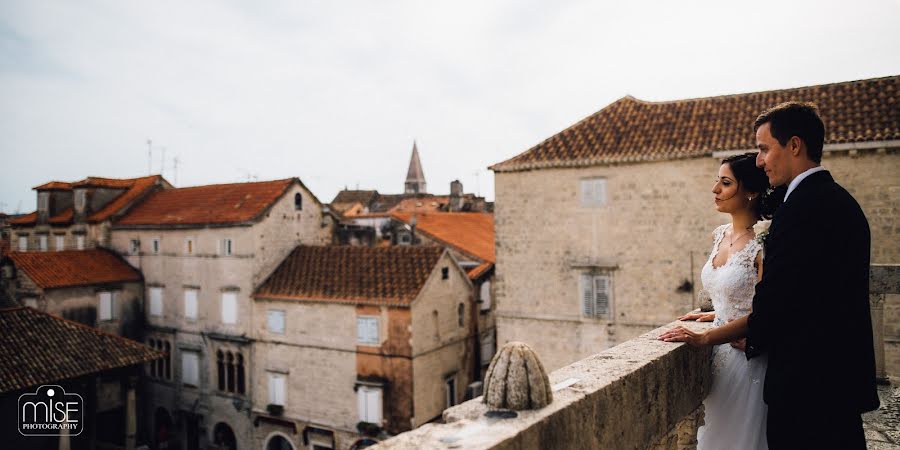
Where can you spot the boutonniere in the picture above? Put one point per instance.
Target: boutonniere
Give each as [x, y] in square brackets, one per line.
[761, 228]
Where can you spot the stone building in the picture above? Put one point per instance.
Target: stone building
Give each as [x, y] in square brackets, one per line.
[95, 287]
[357, 343]
[202, 251]
[78, 215]
[602, 229]
[470, 239]
[363, 210]
[41, 354]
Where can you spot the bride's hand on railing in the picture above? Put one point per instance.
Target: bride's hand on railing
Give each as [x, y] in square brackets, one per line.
[682, 334]
[699, 317]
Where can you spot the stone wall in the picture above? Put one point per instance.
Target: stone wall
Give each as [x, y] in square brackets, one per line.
[643, 393]
[652, 235]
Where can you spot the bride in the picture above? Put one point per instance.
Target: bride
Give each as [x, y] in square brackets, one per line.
[735, 415]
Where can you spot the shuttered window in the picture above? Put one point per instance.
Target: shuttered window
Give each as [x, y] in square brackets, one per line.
[367, 330]
[156, 301]
[593, 192]
[190, 368]
[485, 296]
[276, 321]
[107, 306]
[595, 295]
[60, 242]
[229, 307]
[190, 304]
[23, 243]
[368, 401]
[277, 385]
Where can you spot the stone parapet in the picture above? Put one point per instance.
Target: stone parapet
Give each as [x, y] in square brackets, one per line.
[640, 394]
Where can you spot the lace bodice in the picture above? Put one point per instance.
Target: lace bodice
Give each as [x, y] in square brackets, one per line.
[731, 286]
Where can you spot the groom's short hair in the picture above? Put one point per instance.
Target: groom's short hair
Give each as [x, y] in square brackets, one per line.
[800, 119]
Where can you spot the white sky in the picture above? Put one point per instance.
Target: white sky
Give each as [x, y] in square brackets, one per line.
[334, 92]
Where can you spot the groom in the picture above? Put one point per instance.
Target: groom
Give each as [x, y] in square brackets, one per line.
[811, 308]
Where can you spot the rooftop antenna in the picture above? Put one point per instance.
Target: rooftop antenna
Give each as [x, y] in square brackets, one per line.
[175, 170]
[477, 184]
[149, 157]
[162, 163]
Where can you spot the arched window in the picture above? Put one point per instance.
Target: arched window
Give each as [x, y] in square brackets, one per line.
[240, 374]
[461, 314]
[168, 360]
[220, 369]
[230, 375]
[298, 201]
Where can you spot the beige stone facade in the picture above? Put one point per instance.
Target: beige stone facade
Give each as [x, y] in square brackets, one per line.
[181, 261]
[650, 236]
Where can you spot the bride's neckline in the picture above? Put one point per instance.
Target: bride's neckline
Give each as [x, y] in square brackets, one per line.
[719, 239]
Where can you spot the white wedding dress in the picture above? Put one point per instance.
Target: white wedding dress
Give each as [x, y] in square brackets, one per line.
[735, 414]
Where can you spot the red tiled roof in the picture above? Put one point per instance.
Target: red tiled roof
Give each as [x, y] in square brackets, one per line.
[27, 219]
[356, 275]
[134, 189]
[427, 204]
[38, 348]
[54, 185]
[69, 268]
[479, 270]
[632, 130]
[469, 233]
[215, 203]
[348, 196]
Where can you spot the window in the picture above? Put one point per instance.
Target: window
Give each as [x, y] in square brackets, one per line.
[160, 368]
[154, 246]
[189, 246]
[486, 296]
[107, 306]
[230, 371]
[190, 304]
[79, 242]
[276, 321]
[277, 389]
[43, 201]
[367, 330]
[461, 315]
[60, 243]
[31, 302]
[227, 247]
[80, 197]
[229, 307]
[23, 243]
[595, 295]
[368, 401]
[445, 273]
[298, 202]
[190, 368]
[134, 247]
[43, 242]
[593, 192]
[450, 390]
[156, 301]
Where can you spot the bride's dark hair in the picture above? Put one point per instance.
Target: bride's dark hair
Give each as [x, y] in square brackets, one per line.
[753, 179]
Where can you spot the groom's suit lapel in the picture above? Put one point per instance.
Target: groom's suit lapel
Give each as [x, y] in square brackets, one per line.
[794, 206]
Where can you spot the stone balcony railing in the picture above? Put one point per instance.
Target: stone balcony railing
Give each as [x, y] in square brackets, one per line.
[643, 393]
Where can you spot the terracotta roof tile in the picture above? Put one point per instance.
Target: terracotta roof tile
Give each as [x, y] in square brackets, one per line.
[632, 130]
[70, 268]
[479, 270]
[215, 203]
[54, 185]
[134, 189]
[469, 233]
[38, 348]
[426, 204]
[345, 274]
[27, 219]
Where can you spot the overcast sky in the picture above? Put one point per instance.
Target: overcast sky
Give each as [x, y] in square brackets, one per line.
[335, 92]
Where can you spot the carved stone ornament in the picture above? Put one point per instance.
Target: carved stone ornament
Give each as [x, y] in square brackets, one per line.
[517, 380]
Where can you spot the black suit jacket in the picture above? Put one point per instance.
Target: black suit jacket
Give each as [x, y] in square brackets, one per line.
[811, 308]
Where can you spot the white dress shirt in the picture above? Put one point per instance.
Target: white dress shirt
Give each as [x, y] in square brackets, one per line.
[796, 181]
